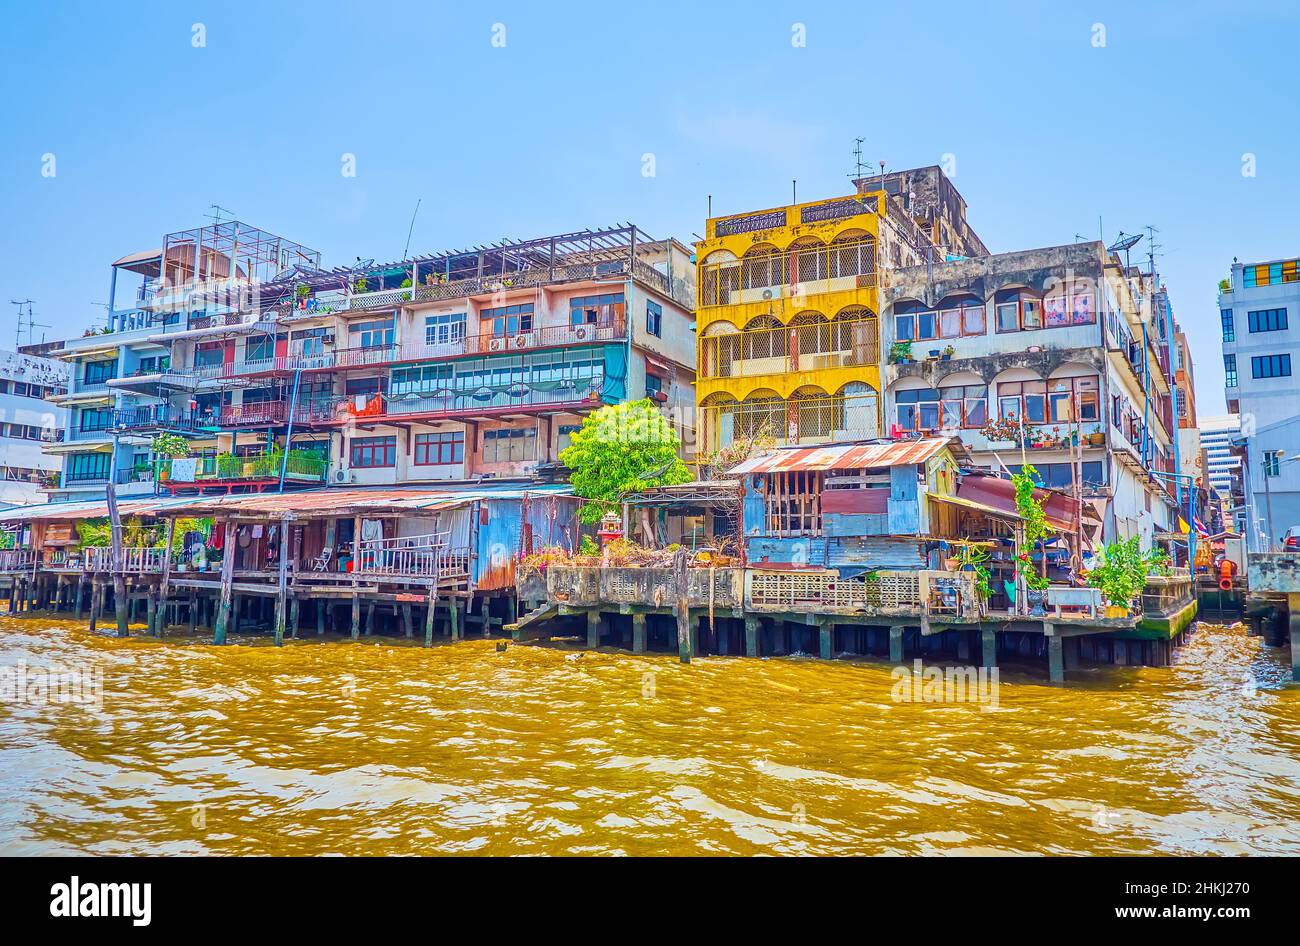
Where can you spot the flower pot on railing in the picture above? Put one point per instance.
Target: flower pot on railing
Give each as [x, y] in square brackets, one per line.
[1037, 601]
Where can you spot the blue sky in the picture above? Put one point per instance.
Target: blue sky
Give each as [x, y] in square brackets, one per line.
[547, 133]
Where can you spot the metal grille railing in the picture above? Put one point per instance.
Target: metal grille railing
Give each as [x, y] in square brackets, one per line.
[795, 271]
[809, 346]
[808, 420]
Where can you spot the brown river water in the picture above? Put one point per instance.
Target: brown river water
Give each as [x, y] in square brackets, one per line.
[377, 747]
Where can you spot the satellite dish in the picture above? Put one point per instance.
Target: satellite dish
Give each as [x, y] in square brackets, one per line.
[1124, 242]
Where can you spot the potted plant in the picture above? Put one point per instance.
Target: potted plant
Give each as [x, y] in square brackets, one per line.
[406, 284]
[1120, 573]
[1225, 286]
[1002, 429]
[900, 353]
[947, 354]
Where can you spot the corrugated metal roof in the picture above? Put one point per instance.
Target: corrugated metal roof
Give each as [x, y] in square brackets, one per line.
[978, 507]
[334, 500]
[845, 456]
[87, 509]
[1001, 494]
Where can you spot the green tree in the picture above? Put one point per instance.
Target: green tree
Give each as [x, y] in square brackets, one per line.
[622, 448]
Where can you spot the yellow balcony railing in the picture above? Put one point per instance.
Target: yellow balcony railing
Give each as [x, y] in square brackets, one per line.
[813, 419]
[851, 339]
[805, 269]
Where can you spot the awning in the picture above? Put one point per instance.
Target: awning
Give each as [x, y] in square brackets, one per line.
[67, 353]
[1001, 494]
[145, 262]
[845, 457]
[661, 367]
[1008, 514]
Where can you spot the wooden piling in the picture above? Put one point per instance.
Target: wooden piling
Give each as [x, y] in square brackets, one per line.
[164, 587]
[227, 579]
[120, 603]
[682, 608]
[428, 618]
[282, 582]
[293, 616]
[407, 624]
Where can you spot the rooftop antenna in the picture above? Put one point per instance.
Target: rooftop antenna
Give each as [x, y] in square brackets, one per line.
[1079, 238]
[216, 217]
[411, 228]
[857, 157]
[1153, 248]
[31, 323]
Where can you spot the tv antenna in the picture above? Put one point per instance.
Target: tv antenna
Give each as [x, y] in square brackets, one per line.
[219, 210]
[31, 323]
[1153, 248]
[857, 157]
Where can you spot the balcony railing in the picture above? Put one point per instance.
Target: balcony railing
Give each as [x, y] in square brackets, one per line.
[796, 271]
[135, 561]
[446, 404]
[816, 419]
[262, 413]
[300, 466]
[99, 433]
[160, 416]
[416, 556]
[546, 336]
[13, 560]
[813, 346]
[84, 477]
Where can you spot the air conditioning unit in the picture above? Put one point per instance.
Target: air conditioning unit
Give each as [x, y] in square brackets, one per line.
[344, 475]
[580, 332]
[496, 344]
[524, 340]
[767, 294]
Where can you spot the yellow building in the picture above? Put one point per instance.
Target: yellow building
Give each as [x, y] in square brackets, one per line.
[789, 339]
[788, 303]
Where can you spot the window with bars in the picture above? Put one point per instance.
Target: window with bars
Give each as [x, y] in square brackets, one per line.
[793, 502]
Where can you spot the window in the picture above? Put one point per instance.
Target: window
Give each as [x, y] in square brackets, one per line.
[309, 343]
[97, 372]
[443, 447]
[1229, 329]
[1058, 475]
[92, 420]
[509, 320]
[1023, 399]
[1018, 311]
[917, 409]
[1230, 371]
[1268, 274]
[1068, 397]
[654, 318]
[259, 348]
[566, 432]
[373, 451]
[510, 445]
[964, 405]
[654, 386]
[377, 334]
[604, 309]
[913, 322]
[355, 386]
[793, 503]
[1270, 366]
[1266, 320]
[1272, 463]
[87, 466]
[154, 364]
[445, 328]
[209, 354]
[1070, 305]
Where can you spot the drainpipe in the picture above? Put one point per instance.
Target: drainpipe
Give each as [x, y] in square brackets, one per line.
[288, 436]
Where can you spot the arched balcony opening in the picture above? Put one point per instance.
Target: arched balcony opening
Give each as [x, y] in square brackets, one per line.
[853, 254]
[763, 265]
[719, 278]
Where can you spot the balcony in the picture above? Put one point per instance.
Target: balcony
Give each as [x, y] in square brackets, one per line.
[813, 344]
[228, 470]
[765, 273]
[802, 419]
[547, 336]
[260, 414]
[161, 417]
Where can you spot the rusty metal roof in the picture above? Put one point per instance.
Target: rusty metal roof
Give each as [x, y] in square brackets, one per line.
[86, 509]
[999, 493]
[334, 501]
[851, 456]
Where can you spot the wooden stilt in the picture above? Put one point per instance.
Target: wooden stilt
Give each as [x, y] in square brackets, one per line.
[356, 614]
[428, 618]
[682, 608]
[293, 616]
[370, 617]
[194, 615]
[282, 582]
[81, 590]
[227, 578]
[406, 620]
[455, 619]
[319, 605]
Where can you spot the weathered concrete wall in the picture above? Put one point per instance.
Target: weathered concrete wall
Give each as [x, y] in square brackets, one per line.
[1277, 571]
